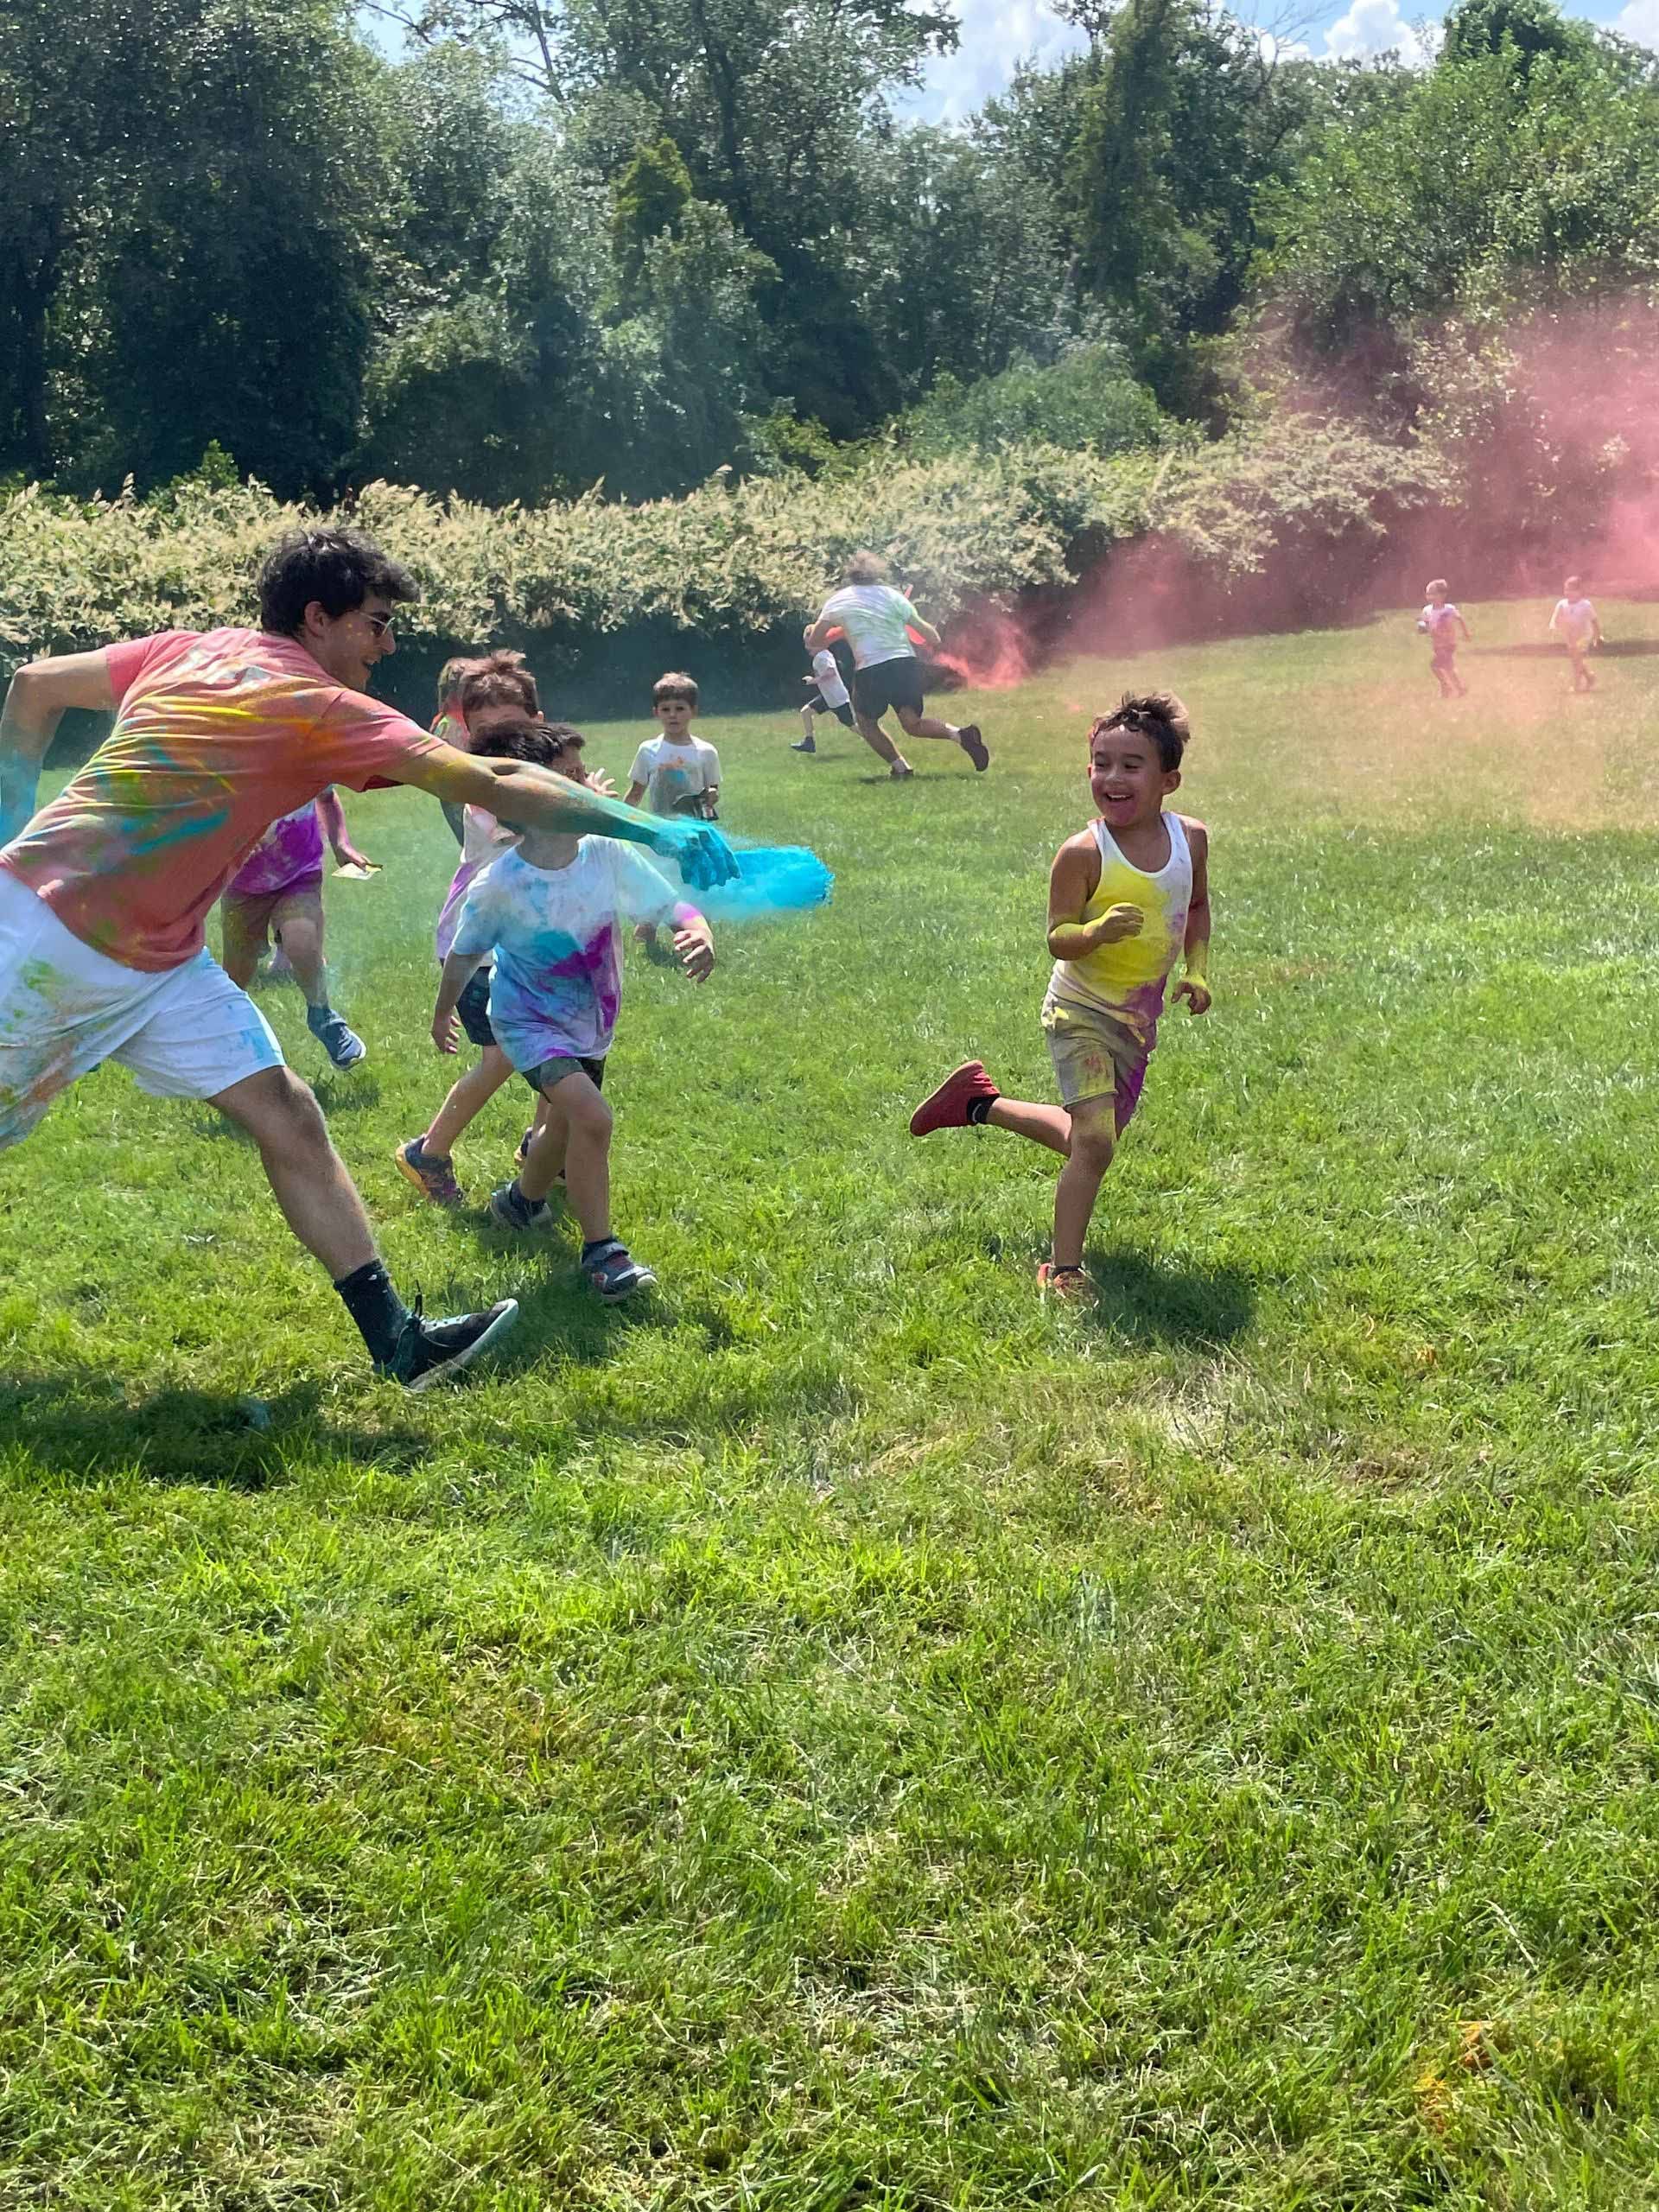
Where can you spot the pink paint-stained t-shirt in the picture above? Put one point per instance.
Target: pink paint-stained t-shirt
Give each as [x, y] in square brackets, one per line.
[217, 733]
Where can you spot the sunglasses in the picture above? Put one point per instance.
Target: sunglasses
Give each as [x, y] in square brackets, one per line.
[380, 624]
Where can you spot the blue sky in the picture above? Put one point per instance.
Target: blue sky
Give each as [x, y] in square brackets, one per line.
[996, 34]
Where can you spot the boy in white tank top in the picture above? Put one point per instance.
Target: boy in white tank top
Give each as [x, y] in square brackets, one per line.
[1127, 898]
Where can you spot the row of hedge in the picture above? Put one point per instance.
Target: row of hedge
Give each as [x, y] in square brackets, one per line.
[731, 560]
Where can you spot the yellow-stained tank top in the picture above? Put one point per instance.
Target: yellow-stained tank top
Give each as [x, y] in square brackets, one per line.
[1126, 980]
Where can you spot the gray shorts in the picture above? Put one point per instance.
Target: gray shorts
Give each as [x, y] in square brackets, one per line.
[551, 1073]
[1094, 1057]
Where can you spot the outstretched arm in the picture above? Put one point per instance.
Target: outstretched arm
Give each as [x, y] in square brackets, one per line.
[534, 798]
[37, 699]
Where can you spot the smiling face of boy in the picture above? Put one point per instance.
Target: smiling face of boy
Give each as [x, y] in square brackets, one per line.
[1128, 780]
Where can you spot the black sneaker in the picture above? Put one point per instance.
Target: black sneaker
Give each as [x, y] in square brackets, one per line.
[973, 746]
[433, 1351]
[512, 1210]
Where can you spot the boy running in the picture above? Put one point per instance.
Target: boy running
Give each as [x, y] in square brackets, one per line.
[548, 910]
[877, 621]
[277, 891]
[1579, 626]
[105, 893]
[828, 696]
[1127, 898]
[676, 772]
[1442, 623]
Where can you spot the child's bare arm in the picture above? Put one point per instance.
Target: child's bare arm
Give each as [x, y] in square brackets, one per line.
[1464, 626]
[458, 971]
[1194, 986]
[694, 941]
[635, 793]
[1071, 884]
[332, 815]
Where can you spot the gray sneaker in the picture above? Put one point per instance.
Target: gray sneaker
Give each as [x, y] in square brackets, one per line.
[342, 1042]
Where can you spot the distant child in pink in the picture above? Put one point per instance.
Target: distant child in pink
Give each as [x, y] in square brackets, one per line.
[1127, 898]
[1578, 627]
[277, 892]
[1442, 623]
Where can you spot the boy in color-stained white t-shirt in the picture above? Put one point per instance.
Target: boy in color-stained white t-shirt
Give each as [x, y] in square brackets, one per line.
[676, 772]
[1578, 627]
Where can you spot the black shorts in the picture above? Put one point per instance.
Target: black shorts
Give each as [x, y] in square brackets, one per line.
[819, 705]
[473, 1008]
[889, 684]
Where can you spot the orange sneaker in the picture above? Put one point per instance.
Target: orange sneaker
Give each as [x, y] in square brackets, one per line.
[1071, 1285]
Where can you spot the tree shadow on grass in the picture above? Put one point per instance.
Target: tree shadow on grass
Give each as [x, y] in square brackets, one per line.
[87, 1426]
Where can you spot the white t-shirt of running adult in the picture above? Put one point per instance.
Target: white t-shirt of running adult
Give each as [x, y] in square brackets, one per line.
[1575, 619]
[669, 773]
[874, 617]
[826, 671]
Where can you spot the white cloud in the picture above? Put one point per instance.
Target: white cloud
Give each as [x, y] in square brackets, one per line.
[995, 35]
[1640, 22]
[1376, 27]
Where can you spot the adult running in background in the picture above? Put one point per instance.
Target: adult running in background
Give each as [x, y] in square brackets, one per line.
[879, 624]
[103, 894]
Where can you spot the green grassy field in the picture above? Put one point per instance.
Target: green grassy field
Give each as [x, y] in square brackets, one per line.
[846, 1735]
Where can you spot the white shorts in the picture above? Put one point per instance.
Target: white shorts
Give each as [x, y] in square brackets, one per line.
[186, 1033]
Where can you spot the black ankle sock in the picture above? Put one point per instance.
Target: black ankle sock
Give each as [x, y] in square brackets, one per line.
[375, 1307]
[978, 1109]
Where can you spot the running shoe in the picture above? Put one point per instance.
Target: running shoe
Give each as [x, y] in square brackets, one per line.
[1069, 1285]
[616, 1274]
[433, 1176]
[973, 746]
[900, 769]
[805, 745]
[343, 1044]
[947, 1107]
[436, 1351]
[512, 1210]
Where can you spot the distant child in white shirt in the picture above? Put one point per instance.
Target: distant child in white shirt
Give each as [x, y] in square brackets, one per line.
[1442, 622]
[676, 772]
[1579, 626]
[828, 696]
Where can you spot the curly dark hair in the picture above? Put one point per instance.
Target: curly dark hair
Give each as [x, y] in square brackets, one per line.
[340, 569]
[1157, 714]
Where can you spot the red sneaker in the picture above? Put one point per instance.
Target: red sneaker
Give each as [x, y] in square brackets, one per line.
[947, 1107]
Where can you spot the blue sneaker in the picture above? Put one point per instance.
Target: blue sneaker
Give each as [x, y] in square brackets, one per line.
[342, 1044]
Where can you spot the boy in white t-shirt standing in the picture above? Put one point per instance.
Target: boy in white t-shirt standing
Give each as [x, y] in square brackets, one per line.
[1578, 627]
[829, 695]
[1442, 622]
[676, 772]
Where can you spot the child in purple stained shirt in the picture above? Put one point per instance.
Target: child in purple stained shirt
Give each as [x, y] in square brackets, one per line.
[551, 912]
[278, 889]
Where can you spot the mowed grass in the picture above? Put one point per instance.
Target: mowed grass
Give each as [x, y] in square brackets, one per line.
[845, 1736]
